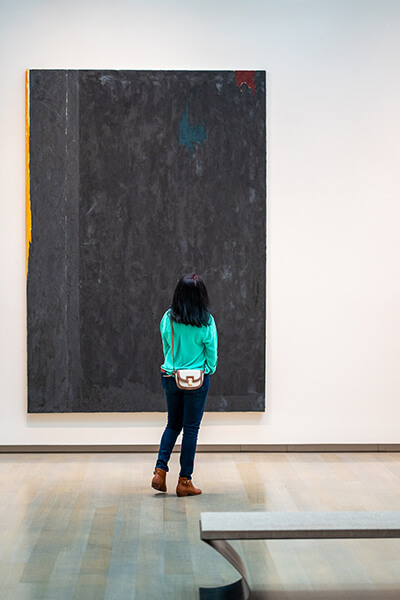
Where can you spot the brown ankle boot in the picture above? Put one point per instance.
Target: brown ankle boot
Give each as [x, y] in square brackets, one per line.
[185, 487]
[158, 481]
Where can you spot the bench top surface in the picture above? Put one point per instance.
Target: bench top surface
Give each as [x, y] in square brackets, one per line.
[299, 525]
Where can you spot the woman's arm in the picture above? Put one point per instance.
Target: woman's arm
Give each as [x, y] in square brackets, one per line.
[211, 346]
[165, 335]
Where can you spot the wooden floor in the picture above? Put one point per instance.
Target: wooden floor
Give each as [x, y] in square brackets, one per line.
[88, 526]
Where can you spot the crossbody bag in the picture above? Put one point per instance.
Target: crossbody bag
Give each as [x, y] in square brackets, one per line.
[186, 379]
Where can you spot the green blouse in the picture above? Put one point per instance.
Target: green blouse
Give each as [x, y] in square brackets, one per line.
[194, 347]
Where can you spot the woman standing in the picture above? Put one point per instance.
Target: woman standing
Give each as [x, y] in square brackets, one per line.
[194, 346]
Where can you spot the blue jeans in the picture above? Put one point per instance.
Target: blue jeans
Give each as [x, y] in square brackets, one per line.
[185, 411]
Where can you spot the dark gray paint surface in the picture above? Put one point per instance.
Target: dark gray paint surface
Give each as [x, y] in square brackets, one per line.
[124, 203]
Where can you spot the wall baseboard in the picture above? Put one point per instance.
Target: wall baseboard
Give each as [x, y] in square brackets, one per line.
[153, 448]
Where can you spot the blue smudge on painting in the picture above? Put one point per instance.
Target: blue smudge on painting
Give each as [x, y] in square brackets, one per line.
[189, 135]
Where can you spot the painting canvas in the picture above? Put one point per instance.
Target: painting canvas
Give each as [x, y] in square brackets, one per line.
[135, 178]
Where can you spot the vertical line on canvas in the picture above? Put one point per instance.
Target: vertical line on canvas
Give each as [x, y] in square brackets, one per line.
[66, 219]
[28, 181]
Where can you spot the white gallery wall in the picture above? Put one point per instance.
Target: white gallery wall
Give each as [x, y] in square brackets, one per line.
[333, 207]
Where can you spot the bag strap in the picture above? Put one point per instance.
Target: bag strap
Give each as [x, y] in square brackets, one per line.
[172, 344]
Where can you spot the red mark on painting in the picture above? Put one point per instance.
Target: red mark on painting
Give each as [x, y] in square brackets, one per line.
[246, 77]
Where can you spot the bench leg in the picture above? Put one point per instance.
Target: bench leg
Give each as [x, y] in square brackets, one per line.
[239, 590]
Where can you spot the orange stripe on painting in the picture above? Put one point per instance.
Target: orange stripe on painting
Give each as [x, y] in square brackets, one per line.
[247, 78]
[28, 181]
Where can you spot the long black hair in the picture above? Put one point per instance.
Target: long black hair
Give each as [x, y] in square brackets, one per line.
[190, 304]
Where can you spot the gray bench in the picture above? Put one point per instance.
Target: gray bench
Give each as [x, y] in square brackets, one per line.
[218, 527]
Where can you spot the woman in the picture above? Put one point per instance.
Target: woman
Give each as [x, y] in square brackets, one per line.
[195, 347]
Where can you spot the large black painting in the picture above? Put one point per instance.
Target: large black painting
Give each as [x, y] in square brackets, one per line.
[135, 178]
